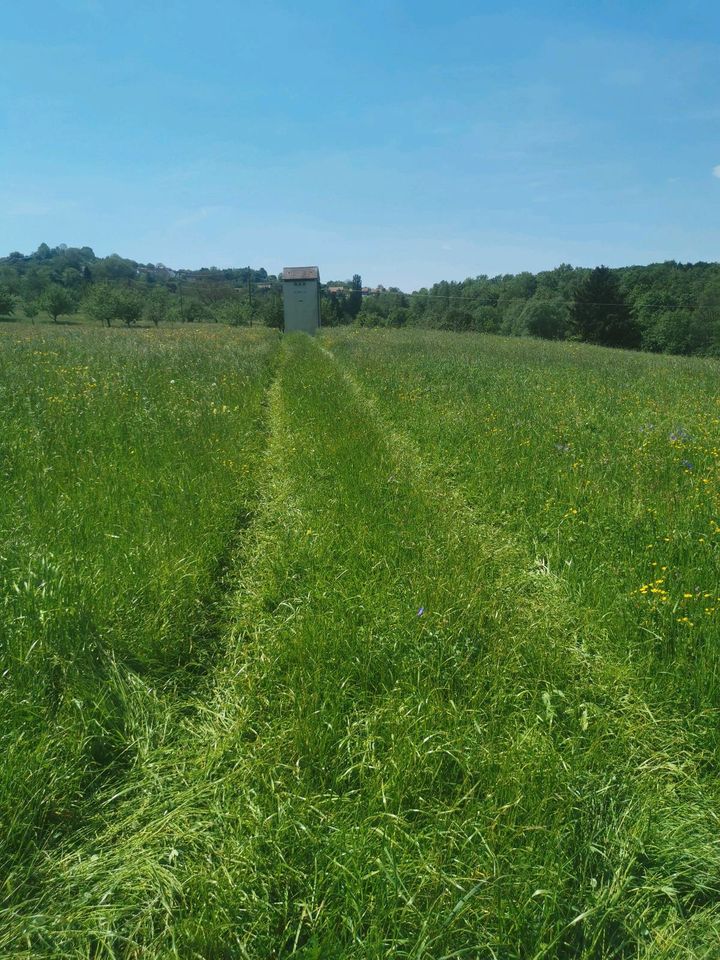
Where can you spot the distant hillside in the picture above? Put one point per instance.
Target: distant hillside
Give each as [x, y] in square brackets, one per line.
[666, 307]
[71, 266]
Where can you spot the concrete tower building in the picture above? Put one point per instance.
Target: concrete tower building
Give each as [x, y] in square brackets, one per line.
[301, 298]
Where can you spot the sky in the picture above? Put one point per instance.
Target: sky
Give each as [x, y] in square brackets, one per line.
[407, 141]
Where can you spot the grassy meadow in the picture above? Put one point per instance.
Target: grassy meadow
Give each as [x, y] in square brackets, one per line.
[388, 644]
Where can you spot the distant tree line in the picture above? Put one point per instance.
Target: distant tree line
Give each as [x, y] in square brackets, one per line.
[63, 281]
[664, 307]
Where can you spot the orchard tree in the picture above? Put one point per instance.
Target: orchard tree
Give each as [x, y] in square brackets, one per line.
[31, 309]
[157, 306]
[273, 314]
[193, 311]
[100, 303]
[128, 306]
[56, 300]
[7, 301]
[237, 311]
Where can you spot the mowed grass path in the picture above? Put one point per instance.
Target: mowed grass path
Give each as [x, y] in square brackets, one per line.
[410, 744]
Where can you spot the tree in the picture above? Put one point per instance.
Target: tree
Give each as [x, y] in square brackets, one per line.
[354, 300]
[7, 301]
[194, 312]
[237, 311]
[57, 301]
[31, 309]
[704, 332]
[600, 313]
[273, 314]
[128, 306]
[98, 303]
[157, 306]
[331, 312]
[547, 319]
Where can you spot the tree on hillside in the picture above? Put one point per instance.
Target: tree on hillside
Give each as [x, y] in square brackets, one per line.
[704, 329]
[57, 301]
[600, 313]
[547, 319]
[7, 301]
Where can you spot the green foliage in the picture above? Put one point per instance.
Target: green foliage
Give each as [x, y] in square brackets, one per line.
[128, 306]
[665, 307]
[193, 310]
[31, 308]
[56, 300]
[354, 300]
[271, 311]
[156, 307]
[600, 313]
[7, 301]
[547, 319]
[238, 311]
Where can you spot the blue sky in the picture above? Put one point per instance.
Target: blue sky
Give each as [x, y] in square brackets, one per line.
[406, 141]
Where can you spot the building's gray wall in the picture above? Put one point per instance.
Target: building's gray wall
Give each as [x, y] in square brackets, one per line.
[301, 304]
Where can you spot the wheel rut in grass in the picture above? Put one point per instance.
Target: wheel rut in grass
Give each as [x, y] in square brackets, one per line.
[406, 749]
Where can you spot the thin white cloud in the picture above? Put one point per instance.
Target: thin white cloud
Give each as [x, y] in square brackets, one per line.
[716, 171]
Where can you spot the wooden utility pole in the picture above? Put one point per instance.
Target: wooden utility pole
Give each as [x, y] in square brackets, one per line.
[250, 294]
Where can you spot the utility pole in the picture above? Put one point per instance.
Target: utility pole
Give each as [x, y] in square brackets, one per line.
[249, 278]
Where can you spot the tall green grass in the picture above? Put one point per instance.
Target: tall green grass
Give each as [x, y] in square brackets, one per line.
[128, 466]
[605, 465]
[410, 743]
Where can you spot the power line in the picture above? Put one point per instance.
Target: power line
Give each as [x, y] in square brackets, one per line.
[505, 300]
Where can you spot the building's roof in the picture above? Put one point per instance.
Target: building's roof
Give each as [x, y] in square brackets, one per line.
[301, 273]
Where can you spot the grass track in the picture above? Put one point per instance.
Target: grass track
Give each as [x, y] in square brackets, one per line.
[605, 465]
[362, 780]
[128, 467]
